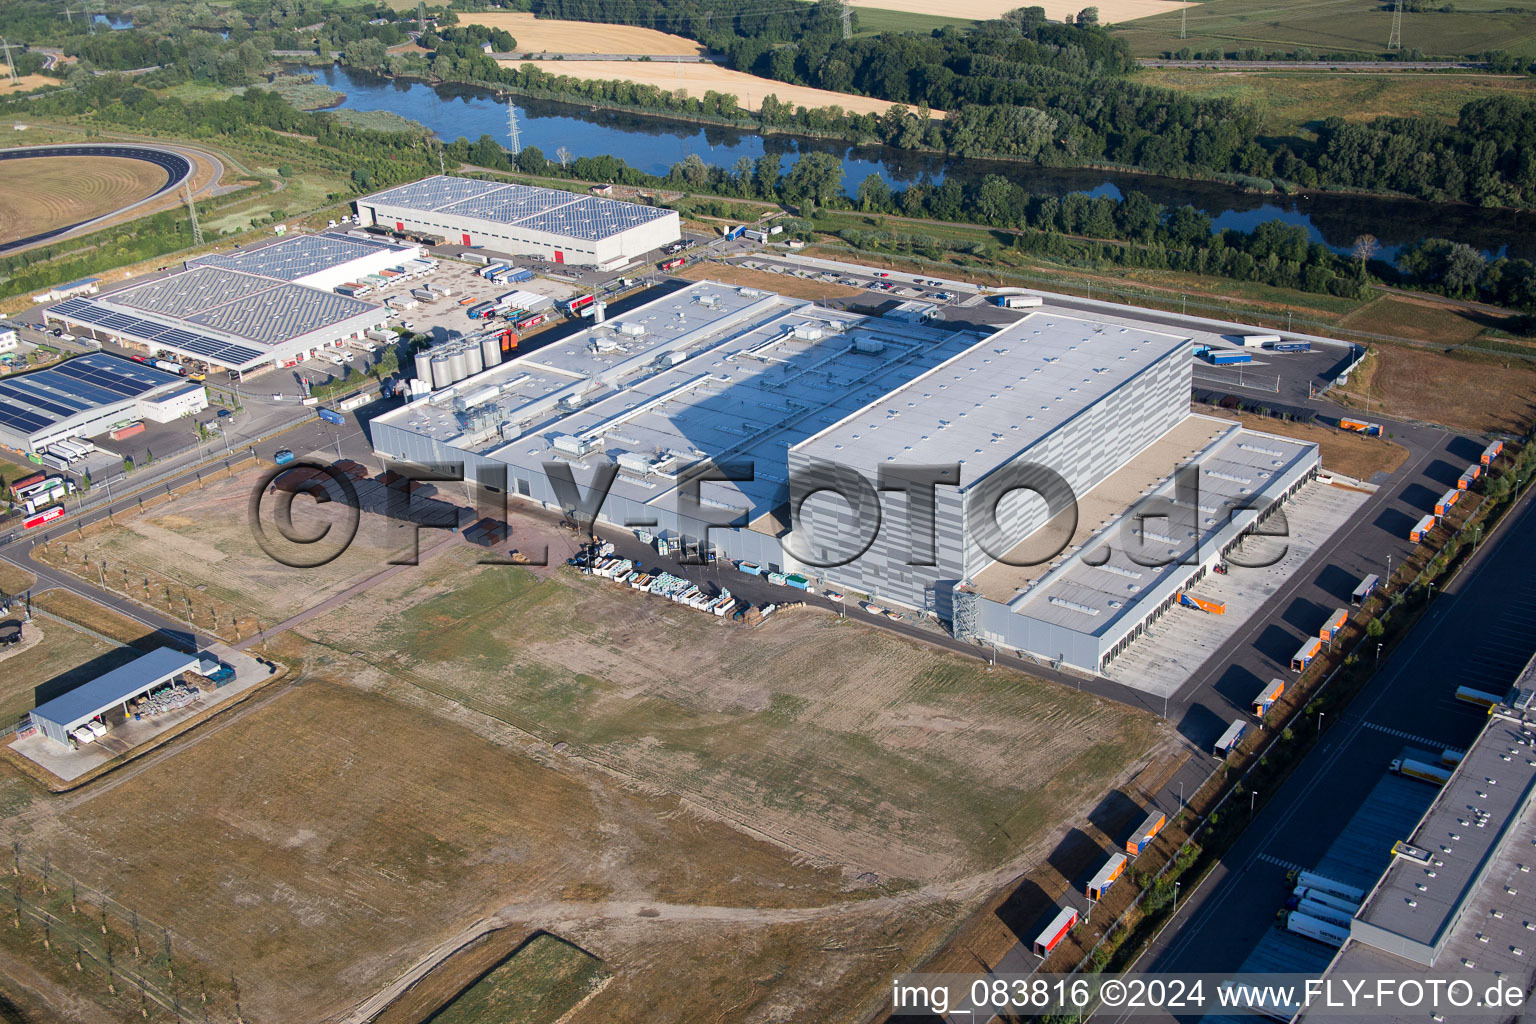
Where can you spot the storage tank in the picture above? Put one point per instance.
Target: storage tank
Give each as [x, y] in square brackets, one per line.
[472, 359]
[458, 364]
[442, 371]
[490, 352]
[424, 366]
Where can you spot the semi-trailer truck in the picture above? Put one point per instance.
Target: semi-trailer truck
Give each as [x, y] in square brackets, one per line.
[1112, 869]
[1143, 836]
[1492, 452]
[1449, 498]
[1020, 301]
[1366, 588]
[1361, 427]
[1060, 925]
[1267, 696]
[170, 367]
[1303, 657]
[1436, 774]
[1481, 698]
[1330, 629]
[1327, 933]
[1259, 340]
[1322, 883]
[1230, 739]
[1422, 529]
[1302, 892]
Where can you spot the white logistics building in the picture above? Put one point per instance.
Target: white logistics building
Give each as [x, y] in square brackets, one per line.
[916, 460]
[523, 220]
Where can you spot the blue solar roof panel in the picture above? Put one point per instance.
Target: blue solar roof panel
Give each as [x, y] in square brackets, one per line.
[34, 401]
[538, 209]
[182, 295]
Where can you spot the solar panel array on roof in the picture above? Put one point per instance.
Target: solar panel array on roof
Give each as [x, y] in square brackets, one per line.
[297, 256]
[590, 218]
[510, 204]
[89, 311]
[287, 311]
[525, 206]
[182, 295]
[32, 401]
[433, 193]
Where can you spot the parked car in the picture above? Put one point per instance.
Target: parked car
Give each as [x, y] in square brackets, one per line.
[283, 457]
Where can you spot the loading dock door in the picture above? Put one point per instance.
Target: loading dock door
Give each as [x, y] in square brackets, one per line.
[559, 256]
[466, 238]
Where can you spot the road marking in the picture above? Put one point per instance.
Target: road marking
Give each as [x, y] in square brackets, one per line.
[1286, 865]
[1401, 734]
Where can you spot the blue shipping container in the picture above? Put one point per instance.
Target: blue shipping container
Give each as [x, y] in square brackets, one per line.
[331, 416]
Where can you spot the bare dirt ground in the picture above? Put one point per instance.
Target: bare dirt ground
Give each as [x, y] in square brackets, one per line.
[1352, 455]
[748, 824]
[198, 552]
[697, 79]
[839, 741]
[1482, 393]
[550, 35]
[784, 284]
[49, 660]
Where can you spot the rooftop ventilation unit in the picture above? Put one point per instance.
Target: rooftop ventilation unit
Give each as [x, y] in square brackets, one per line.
[631, 330]
[573, 446]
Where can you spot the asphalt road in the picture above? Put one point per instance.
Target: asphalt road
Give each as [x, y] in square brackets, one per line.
[1476, 633]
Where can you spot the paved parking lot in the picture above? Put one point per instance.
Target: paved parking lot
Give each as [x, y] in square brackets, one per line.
[1175, 646]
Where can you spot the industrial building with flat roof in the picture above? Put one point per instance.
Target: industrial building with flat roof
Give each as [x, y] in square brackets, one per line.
[320, 261]
[738, 377]
[228, 319]
[84, 396]
[1456, 897]
[523, 220]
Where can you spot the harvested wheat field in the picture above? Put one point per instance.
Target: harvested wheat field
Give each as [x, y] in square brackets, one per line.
[549, 35]
[40, 194]
[1111, 12]
[25, 83]
[697, 79]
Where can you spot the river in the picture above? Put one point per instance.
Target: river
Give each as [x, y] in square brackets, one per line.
[653, 144]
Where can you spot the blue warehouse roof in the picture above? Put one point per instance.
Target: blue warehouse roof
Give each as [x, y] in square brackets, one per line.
[85, 702]
[34, 401]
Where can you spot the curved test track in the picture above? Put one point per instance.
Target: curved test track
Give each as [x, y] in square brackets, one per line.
[177, 169]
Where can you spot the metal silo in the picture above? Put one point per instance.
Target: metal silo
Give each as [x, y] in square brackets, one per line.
[490, 352]
[424, 366]
[442, 371]
[472, 358]
[458, 364]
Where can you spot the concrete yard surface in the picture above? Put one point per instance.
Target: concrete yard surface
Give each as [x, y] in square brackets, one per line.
[1173, 648]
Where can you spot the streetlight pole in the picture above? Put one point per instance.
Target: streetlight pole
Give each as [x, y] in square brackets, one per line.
[1175, 899]
[1320, 715]
[1378, 654]
[1253, 796]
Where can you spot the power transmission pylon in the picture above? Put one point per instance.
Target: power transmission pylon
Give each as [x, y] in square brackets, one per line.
[1395, 41]
[7, 47]
[1184, 20]
[845, 14]
[514, 137]
[197, 231]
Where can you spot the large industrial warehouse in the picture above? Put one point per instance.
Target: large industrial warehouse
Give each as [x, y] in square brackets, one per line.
[523, 220]
[228, 319]
[737, 375]
[86, 395]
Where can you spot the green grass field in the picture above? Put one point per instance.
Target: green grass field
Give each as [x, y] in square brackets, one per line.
[874, 20]
[1293, 102]
[1335, 26]
[538, 984]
